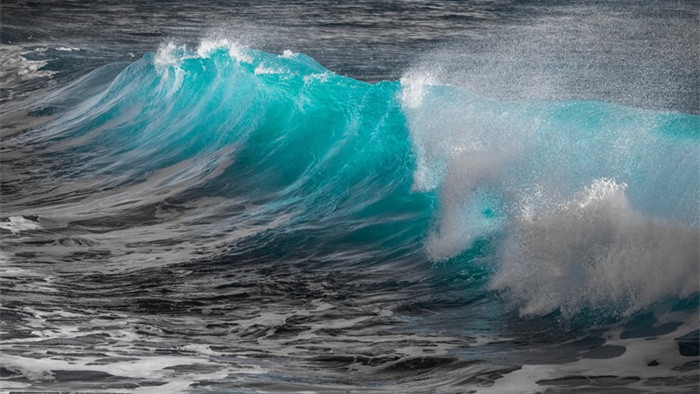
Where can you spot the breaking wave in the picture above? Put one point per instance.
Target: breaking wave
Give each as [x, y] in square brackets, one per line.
[585, 202]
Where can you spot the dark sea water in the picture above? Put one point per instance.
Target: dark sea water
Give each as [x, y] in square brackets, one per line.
[371, 196]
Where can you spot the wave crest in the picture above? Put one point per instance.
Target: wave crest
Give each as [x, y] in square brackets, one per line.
[592, 204]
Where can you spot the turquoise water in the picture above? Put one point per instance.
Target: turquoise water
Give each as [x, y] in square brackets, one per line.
[599, 189]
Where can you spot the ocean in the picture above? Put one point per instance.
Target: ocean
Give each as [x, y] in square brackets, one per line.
[325, 196]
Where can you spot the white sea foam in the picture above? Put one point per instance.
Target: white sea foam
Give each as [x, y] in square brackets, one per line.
[236, 50]
[596, 251]
[167, 61]
[287, 53]
[414, 87]
[166, 55]
[171, 54]
[17, 224]
[14, 66]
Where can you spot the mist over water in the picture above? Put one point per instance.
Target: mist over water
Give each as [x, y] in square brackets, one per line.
[378, 196]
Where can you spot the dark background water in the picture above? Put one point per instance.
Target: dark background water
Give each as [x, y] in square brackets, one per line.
[637, 53]
[130, 300]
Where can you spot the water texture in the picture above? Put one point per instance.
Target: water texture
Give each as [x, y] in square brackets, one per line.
[377, 197]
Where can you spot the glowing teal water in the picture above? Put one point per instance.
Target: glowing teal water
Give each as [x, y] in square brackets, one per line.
[342, 154]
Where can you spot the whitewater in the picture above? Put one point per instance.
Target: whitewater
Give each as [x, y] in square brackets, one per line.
[216, 215]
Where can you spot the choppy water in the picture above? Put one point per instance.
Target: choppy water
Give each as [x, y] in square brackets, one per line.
[378, 196]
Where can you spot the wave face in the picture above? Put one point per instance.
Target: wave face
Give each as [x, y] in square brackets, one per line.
[586, 203]
[279, 133]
